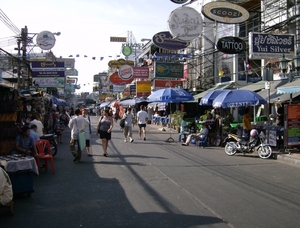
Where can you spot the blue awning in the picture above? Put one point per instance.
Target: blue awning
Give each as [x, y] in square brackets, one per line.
[292, 87]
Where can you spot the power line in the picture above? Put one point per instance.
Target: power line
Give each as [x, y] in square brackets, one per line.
[9, 23]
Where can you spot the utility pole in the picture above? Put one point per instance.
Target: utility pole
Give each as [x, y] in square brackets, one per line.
[24, 34]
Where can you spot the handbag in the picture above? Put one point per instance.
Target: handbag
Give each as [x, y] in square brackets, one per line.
[122, 123]
[81, 137]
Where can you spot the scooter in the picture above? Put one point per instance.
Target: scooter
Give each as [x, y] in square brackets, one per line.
[53, 142]
[235, 144]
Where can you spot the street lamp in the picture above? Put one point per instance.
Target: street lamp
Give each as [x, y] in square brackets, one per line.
[283, 64]
[296, 60]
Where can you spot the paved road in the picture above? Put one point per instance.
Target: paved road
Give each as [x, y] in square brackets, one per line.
[156, 184]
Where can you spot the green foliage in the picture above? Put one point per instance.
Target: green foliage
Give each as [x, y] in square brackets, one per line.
[177, 117]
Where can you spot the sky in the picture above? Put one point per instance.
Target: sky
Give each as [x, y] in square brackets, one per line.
[86, 27]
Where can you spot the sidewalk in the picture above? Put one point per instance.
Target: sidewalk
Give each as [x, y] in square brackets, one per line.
[292, 158]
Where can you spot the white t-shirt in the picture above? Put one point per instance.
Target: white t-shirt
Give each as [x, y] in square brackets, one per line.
[39, 125]
[6, 193]
[142, 116]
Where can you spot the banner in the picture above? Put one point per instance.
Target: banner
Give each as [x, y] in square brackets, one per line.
[168, 70]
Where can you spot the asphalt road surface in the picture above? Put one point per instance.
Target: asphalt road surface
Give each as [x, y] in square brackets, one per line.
[159, 185]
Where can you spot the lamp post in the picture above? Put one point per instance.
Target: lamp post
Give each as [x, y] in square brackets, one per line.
[283, 64]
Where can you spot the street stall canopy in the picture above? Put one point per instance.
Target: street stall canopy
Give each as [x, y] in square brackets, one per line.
[292, 87]
[273, 88]
[257, 86]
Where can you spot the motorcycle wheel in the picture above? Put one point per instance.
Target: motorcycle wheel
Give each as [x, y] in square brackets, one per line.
[230, 148]
[53, 149]
[264, 151]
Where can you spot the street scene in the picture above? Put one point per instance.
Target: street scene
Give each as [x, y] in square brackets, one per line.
[157, 184]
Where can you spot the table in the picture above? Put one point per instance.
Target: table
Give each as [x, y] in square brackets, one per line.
[15, 163]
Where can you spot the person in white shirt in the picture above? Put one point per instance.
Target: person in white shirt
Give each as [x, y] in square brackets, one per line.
[6, 192]
[128, 125]
[76, 124]
[142, 117]
[40, 127]
[88, 130]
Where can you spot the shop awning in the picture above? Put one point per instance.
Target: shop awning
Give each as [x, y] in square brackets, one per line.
[278, 98]
[257, 86]
[292, 87]
[224, 85]
[273, 89]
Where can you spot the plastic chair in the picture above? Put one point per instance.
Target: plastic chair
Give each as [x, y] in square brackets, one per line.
[10, 206]
[202, 142]
[43, 145]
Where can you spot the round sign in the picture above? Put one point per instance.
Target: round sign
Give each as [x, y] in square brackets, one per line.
[45, 40]
[126, 50]
[125, 72]
[185, 23]
[179, 1]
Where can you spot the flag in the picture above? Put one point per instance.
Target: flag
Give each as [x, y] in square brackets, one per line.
[101, 58]
[77, 55]
[85, 56]
[70, 55]
[181, 56]
[94, 58]
[118, 55]
[158, 58]
[110, 56]
[173, 57]
[189, 55]
[247, 66]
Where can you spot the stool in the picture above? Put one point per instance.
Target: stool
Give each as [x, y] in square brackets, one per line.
[10, 205]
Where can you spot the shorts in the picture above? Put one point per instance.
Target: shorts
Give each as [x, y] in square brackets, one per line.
[87, 143]
[142, 125]
[105, 135]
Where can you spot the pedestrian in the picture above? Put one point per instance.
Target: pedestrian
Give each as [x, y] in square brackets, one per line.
[247, 123]
[104, 128]
[76, 124]
[142, 118]
[87, 130]
[128, 117]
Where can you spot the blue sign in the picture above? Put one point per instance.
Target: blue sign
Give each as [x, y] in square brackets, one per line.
[166, 41]
[48, 69]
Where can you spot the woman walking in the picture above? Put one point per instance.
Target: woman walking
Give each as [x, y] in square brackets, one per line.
[104, 128]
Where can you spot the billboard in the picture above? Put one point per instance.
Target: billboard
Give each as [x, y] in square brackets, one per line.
[48, 69]
[168, 70]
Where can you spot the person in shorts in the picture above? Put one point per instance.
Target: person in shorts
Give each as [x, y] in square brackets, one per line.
[142, 118]
[104, 128]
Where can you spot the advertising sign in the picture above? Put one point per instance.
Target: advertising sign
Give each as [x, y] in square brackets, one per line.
[162, 84]
[166, 40]
[231, 45]
[168, 70]
[132, 90]
[115, 79]
[48, 69]
[185, 23]
[225, 12]
[179, 1]
[293, 125]
[45, 40]
[143, 88]
[271, 46]
[49, 82]
[118, 39]
[125, 72]
[140, 72]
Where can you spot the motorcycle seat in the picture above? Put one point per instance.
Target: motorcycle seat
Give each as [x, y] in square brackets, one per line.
[47, 136]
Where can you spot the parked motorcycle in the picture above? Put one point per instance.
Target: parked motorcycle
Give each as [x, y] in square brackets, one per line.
[53, 142]
[235, 144]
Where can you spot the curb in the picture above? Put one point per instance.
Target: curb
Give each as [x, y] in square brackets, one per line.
[289, 158]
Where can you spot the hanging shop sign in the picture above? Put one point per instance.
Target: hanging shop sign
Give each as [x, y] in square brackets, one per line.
[162, 84]
[231, 45]
[118, 39]
[293, 125]
[179, 1]
[225, 12]
[168, 70]
[45, 40]
[143, 88]
[49, 82]
[125, 72]
[126, 50]
[269, 46]
[115, 79]
[116, 64]
[141, 72]
[48, 69]
[185, 23]
[166, 41]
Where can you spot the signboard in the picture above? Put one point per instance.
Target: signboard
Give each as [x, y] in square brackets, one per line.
[125, 72]
[168, 70]
[71, 72]
[185, 23]
[71, 81]
[270, 46]
[126, 50]
[120, 62]
[293, 125]
[118, 39]
[69, 87]
[179, 1]
[166, 40]
[162, 84]
[48, 69]
[44, 82]
[141, 72]
[231, 45]
[143, 88]
[132, 90]
[115, 79]
[225, 12]
[45, 40]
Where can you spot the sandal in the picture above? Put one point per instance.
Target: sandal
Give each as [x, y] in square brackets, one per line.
[105, 154]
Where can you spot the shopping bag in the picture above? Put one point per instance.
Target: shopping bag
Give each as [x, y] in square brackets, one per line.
[81, 140]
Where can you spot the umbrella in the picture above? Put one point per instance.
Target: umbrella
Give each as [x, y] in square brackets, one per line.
[238, 98]
[104, 104]
[207, 99]
[170, 95]
[132, 102]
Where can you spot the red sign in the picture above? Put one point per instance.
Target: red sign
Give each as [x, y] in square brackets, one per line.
[115, 79]
[140, 72]
[160, 84]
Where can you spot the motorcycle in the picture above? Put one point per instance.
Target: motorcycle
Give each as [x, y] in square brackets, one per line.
[235, 144]
[53, 142]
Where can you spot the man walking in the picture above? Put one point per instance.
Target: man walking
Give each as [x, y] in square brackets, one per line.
[76, 124]
[128, 125]
[142, 117]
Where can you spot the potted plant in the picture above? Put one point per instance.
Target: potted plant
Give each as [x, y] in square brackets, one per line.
[176, 119]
